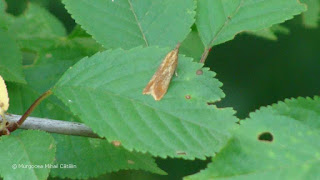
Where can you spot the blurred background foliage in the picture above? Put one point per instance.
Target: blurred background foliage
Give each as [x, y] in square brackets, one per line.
[255, 72]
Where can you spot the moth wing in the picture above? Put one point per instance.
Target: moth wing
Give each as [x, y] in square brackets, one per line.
[159, 83]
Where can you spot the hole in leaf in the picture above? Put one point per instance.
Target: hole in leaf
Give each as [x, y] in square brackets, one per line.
[265, 136]
[29, 57]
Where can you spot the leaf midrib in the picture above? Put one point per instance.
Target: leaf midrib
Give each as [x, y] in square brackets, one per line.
[138, 23]
[225, 23]
[28, 157]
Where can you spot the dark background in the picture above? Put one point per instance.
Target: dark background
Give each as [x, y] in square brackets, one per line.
[255, 72]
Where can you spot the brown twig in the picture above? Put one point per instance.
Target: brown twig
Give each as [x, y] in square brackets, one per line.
[15, 125]
[204, 55]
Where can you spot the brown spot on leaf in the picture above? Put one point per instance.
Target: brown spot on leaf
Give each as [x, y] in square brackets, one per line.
[116, 143]
[48, 55]
[188, 97]
[199, 72]
[181, 153]
[130, 162]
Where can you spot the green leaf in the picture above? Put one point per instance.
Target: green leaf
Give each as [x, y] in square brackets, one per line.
[55, 60]
[276, 142]
[24, 156]
[5, 18]
[43, 74]
[37, 28]
[43, 3]
[192, 46]
[22, 96]
[131, 23]
[305, 110]
[11, 59]
[2, 14]
[105, 91]
[2, 6]
[78, 32]
[219, 21]
[52, 62]
[94, 157]
[311, 17]
[270, 33]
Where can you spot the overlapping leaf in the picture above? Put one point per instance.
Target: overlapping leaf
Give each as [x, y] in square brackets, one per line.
[49, 66]
[2, 6]
[52, 62]
[312, 16]
[105, 91]
[4, 17]
[192, 46]
[78, 32]
[2, 14]
[277, 142]
[36, 28]
[219, 21]
[95, 157]
[270, 33]
[24, 156]
[11, 58]
[131, 23]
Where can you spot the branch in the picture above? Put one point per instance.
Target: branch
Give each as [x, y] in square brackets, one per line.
[53, 126]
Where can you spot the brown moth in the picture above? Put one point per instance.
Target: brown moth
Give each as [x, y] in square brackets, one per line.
[159, 83]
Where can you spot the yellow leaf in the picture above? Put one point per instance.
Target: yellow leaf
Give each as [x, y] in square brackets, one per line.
[4, 99]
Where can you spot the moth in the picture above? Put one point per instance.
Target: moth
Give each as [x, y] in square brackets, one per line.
[159, 83]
